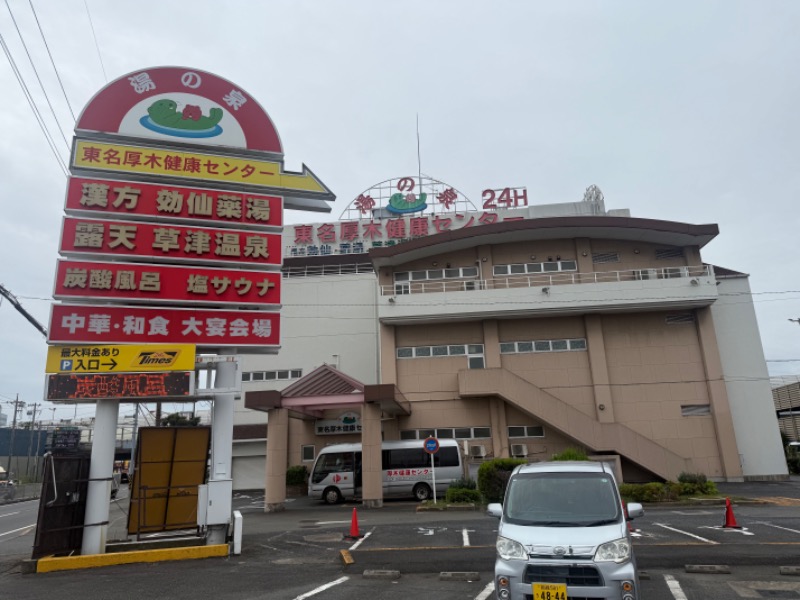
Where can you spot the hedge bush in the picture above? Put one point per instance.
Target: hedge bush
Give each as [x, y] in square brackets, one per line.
[665, 492]
[296, 475]
[571, 454]
[455, 495]
[493, 477]
[466, 483]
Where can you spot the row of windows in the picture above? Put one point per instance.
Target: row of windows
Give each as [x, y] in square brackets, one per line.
[447, 433]
[272, 375]
[436, 274]
[529, 431]
[542, 346]
[663, 254]
[542, 267]
[473, 352]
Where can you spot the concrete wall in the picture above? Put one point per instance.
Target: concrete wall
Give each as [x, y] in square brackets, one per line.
[747, 381]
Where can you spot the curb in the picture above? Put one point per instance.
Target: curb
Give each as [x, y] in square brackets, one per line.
[444, 507]
[381, 574]
[67, 563]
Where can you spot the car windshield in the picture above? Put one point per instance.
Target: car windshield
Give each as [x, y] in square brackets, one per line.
[562, 500]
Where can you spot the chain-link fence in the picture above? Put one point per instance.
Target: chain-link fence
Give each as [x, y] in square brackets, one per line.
[19, 491]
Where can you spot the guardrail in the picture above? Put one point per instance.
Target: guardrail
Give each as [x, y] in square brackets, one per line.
[544, 280]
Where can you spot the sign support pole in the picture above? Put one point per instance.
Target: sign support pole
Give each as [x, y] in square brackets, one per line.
[433, 476]
[100, 472]
[220, 482]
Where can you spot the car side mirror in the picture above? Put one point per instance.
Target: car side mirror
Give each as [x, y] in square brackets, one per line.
[495, 510]
[635, 510]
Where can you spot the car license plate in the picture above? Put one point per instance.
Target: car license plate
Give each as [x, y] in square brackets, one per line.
[549, 591]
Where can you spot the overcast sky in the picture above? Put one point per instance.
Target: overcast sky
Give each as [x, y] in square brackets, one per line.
[683, 111]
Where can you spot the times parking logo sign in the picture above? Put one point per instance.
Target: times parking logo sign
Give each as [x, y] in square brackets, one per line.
[66, 365]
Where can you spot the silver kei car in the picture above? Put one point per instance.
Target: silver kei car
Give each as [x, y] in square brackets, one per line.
[564, 534]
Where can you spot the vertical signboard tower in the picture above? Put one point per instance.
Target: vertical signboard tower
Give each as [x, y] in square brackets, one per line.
[172, 235]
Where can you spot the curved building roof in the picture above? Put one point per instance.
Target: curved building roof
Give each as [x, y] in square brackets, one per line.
[668, 233]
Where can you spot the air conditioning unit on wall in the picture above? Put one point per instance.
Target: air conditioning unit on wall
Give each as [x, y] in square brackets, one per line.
[477, 451]
[519, 450]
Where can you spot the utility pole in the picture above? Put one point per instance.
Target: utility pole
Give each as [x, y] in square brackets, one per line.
[13, 433]
[30, 438]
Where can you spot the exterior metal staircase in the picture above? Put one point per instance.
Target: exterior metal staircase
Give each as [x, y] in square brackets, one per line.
[569, 421]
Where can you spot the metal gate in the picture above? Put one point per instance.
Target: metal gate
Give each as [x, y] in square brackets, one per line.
[59, 527]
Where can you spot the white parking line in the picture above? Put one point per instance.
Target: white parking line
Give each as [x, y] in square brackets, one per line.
[675, 588]
[322, 588]
[16, 530]
[465, 535]
[486, 591]
[697, 537]
[9, 514]
[358, 543]
[776, 526]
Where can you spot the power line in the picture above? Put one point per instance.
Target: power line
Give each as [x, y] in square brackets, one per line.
[52, 62]
[94, 36]
[33, 106]
[39, 79]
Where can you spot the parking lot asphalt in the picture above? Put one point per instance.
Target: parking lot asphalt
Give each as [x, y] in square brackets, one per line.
[298, 553]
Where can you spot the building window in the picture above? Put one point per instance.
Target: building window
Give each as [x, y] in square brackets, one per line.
[667, 253]
[272, 375]
[459, 433]
[695, 410]
[525, 431]
[684, 319]
[433, 275]
[528, 268]
[543, 346]
[605, 257]
[307, 452]
[469, 350]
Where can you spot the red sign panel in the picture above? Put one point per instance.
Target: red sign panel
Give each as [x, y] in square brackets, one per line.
[160, 283]
[208, 328]
[169, 243]
[95, 386]
[215, 110]
[132, 200]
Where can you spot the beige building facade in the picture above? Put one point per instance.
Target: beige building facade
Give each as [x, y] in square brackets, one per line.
[524, 338]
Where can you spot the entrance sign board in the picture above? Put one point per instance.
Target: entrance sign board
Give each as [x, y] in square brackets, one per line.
[160, 284]
[121, 358]
[255, 331]
[77, 387]
[180, 104]
[168, 243]
[203, 166]
[137, 200]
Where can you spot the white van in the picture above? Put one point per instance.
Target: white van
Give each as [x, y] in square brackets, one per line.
[406, 470]
[564, 534]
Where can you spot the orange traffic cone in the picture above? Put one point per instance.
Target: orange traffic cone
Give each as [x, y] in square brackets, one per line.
[730, 520]
[354, 534]
[627, 518]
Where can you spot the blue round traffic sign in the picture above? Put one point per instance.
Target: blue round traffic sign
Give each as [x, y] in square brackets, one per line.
[431, 445]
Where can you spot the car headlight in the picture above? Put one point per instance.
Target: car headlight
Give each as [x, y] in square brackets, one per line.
[617, 551]
[510, 550]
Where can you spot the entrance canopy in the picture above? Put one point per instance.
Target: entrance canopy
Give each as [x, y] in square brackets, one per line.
[328, 388]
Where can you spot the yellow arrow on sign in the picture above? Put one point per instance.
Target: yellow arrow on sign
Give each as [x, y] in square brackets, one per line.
[120, 358]
[164, 162]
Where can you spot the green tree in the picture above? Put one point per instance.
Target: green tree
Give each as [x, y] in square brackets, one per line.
[179, 420]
